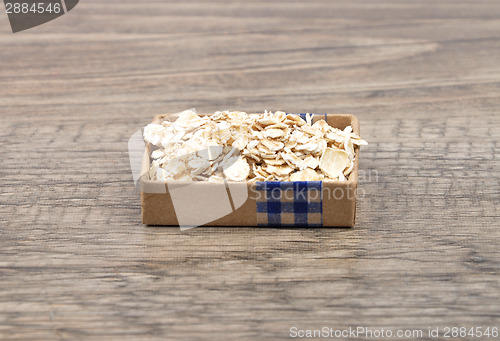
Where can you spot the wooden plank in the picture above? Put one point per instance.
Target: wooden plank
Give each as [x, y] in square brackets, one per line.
[422, 77]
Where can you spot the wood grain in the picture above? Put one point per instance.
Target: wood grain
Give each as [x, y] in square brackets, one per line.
[423, 77]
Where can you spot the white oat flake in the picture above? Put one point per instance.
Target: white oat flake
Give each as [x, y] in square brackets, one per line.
[237, 146]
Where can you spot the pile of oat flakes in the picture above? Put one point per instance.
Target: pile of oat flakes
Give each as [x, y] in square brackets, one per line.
[249, 147]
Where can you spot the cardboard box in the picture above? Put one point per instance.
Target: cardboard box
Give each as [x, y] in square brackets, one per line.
[305, 204]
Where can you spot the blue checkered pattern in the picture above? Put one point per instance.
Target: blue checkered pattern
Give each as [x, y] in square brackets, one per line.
[287, 203]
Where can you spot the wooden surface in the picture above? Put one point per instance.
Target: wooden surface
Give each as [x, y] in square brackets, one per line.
[423, 77]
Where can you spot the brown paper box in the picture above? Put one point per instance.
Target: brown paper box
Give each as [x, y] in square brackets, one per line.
[195, 200]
